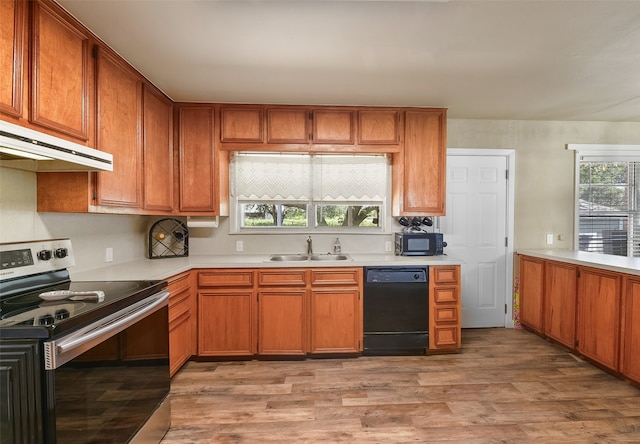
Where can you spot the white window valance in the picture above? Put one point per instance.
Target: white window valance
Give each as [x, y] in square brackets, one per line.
[320, 177]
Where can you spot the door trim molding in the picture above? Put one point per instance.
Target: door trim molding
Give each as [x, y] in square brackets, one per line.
[510, 156]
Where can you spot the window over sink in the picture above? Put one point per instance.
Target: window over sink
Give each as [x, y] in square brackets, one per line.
[284, 192]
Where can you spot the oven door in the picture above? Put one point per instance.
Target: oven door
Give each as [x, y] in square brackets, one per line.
[107, 383]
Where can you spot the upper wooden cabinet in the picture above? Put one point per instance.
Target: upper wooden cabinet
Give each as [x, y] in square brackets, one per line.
[241, 125]
[61, 78]
[419, 172]
[158, 150]
[119, 123]
[13, 38]
[378, 127]
[287, 125]
[198, 162]
[335, 127]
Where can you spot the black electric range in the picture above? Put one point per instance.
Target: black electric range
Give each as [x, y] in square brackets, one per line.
[78, 371]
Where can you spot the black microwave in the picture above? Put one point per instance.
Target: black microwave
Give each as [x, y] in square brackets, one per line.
[419, 243]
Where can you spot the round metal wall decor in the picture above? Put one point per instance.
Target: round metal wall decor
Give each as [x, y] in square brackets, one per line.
[168, 238]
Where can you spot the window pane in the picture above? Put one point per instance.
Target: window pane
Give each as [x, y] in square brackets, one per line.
[348, 215]
[608, 220]
[259, 214]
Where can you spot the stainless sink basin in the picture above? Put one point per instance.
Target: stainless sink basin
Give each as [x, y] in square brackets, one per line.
[288, 257]
[306, 257]
[330, 257]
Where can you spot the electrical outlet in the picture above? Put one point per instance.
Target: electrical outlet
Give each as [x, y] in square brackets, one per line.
[239, 246]
[387, 246]
[108, 254]
[549, 239]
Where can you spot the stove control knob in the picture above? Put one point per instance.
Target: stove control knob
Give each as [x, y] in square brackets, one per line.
[61, 253]
[44, 255]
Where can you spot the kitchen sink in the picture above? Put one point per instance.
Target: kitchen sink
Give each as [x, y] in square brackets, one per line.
[288, 257]
[330, 257]
[305, 257]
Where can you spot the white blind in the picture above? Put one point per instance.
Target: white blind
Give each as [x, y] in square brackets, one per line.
[281, 177]
[291, 177]
[349, 178]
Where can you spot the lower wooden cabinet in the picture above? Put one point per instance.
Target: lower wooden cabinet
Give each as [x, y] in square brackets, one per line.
[444, 308]
[279, 311]
[182, 320]
[593, 311]
[630, 329]
[598, 322]
[559, 307]
[226, 312]
[531, 292]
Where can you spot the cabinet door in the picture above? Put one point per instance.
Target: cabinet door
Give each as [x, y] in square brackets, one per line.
[281, 322]
[378, 127]
[119, 92]
[422, 168]
[158, 151]
[60, 68]
[335, 320]
[225, 323]
[599, 315]
[241, 125]
[12, 50]
[287, 126]
[560, 294]
[20, 397]
[182, 339]
[198, 162]
[333, 126]
[531, 292]
[630, 332]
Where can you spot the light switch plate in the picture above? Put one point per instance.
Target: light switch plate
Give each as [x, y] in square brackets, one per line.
[239, 246]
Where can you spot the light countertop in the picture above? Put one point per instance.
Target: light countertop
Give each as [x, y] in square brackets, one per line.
[620, 264]
[164, 268]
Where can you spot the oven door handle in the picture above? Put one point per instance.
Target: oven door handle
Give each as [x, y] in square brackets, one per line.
[60, 351]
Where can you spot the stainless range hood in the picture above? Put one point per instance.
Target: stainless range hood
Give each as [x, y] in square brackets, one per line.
[31, 150]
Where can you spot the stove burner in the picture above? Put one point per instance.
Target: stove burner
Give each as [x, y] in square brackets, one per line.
[63, 313]
[46, 319]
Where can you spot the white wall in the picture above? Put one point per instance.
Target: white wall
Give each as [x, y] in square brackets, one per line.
[544, 198]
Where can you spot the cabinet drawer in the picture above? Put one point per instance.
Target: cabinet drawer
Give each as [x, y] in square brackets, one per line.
[445, 275]
[445, 295]
[179, 282]
[335, 276]
[279, 278]
[225, 278]
[445, 314]
[446, 336]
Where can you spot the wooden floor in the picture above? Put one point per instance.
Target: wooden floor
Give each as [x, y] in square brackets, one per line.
[507, 386]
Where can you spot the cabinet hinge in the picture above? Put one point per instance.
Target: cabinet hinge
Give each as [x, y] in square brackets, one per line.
[310, 136]
[94, 196]
[506, 174]
[94, 51]
[506, 241]
[505, 308]
[310, 115]
[577, 272]
[576, 343]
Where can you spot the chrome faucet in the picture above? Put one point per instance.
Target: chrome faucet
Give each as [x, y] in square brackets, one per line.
[309, 245]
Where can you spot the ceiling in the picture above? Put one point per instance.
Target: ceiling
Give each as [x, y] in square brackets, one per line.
[501, 59]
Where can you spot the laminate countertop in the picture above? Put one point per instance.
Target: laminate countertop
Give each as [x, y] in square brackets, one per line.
[619, 264]
[153, 269]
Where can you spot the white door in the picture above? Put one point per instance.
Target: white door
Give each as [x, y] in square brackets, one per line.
[475, 229]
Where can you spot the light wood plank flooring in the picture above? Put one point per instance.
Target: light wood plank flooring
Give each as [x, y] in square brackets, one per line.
[507, 386]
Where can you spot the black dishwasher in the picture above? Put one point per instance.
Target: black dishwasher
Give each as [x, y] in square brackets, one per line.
[396, 310]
